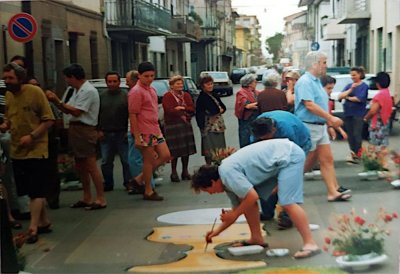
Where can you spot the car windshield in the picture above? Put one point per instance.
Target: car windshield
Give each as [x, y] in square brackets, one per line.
[161, 86]
[218, 75]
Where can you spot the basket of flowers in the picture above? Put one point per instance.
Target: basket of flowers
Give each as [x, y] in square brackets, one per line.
[374, 161]
[355, 241]
[395, 178]
[219, 154]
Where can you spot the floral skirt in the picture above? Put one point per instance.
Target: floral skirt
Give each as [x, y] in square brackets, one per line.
[212, 141]
[379, 136]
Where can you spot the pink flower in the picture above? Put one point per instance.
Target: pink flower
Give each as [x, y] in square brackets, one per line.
[327, 240]
[387, 218]
[394, 215]
[359, 220]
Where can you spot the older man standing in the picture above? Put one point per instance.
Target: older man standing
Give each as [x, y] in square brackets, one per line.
[311, 106]
[28, 116]
[84, 107]
[112, 127]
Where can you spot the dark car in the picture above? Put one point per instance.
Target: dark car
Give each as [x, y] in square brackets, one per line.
[337, 70]
[188, 86]
[236, 74]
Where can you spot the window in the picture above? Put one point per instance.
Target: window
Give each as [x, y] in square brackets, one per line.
[389, 52]
[379, 52]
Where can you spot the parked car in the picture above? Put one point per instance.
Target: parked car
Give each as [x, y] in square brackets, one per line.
[261, 73]
[100, 84]
[337, 70]
[237, 73]
[188, 86]
[344, 79]
[222, 83]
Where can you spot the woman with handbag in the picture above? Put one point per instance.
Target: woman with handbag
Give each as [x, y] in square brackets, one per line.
[178, 111]
[246, 109]
[209, 110]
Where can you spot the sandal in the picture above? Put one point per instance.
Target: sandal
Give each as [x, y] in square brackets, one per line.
[95, 206]
[44, 229]
[79, 204]
[32, 238]
[175, 178]
[134, 187]
[153, 197]
[15, 225]
[186, 177]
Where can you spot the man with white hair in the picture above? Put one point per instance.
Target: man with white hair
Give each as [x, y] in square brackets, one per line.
[271, 98]
[311, 106]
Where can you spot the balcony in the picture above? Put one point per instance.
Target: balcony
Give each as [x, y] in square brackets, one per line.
[209, 33]
[138, 16]
[332, 30]
[355, 12]
[184, 30]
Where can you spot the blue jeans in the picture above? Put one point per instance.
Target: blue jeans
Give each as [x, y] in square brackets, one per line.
[135, 158]
[113, 143]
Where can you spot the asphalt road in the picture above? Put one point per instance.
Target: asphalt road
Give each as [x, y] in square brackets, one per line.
[113, 239]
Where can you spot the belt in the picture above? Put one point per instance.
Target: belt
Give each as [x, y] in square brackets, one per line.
[315, 123]
[79, 124]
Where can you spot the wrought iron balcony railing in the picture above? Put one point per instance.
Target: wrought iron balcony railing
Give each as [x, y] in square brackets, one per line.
[136, 14]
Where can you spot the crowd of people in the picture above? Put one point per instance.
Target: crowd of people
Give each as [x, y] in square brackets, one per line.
[282, 134]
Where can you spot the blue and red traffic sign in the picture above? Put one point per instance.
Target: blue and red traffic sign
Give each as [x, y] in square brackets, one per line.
[22, 27]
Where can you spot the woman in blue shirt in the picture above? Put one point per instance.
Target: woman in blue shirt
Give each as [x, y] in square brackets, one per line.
[355, 96]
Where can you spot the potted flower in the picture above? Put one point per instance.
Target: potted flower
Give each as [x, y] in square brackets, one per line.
[219, 154]
[395, 156]
[373, 160]
[355, 241]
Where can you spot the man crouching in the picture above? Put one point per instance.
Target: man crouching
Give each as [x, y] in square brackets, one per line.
[252, 172]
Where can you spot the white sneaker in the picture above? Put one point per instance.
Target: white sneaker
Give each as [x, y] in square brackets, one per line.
[396, 183]
[312, 175]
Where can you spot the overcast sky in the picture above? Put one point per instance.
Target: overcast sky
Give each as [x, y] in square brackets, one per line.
[270, 13]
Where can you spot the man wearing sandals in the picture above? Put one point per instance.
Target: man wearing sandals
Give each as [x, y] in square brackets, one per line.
[251, 173]
[28, 116]
[83, 106]
[311, 107]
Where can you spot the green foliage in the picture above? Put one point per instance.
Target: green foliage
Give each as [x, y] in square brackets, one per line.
[196, 17]
[274, 44]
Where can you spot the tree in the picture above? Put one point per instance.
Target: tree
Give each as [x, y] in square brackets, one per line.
[274, 44]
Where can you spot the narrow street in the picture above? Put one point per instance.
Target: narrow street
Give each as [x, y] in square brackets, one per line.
[112, 240]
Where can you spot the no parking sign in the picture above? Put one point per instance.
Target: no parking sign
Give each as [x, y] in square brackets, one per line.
[22, 27]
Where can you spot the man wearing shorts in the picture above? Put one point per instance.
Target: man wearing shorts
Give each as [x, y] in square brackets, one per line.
[252, 172]
[83, 107]
[311, 106]
[28, 116]
[143, 117]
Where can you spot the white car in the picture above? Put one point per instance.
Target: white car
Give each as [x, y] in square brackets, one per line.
[341, 81]
[222, 82]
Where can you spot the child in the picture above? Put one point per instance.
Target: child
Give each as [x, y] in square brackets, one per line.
[143, 116]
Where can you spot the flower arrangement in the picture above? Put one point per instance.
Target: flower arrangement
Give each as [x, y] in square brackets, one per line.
[373, 158]
[66, 167]
[351, 235]
[219, 154]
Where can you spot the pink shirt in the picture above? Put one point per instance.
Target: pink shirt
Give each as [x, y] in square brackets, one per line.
[385, 102]
[143, 102]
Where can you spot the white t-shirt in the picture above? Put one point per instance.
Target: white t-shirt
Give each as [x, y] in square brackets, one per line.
[87, 100]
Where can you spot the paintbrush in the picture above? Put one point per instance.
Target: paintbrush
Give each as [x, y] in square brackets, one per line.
[212, 228]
